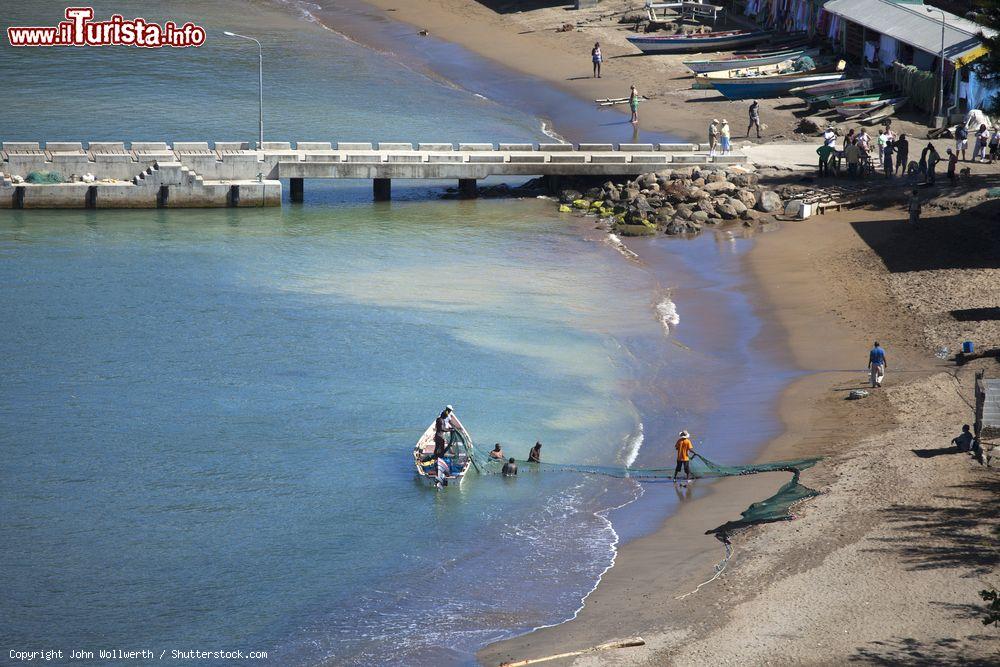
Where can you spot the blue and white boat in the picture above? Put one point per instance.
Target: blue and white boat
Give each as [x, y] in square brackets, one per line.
[691, 42]
[771, 86]
[736, 62]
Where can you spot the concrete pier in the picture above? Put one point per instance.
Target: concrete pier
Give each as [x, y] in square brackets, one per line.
[382, 189]
[154, 174]
[467, 188]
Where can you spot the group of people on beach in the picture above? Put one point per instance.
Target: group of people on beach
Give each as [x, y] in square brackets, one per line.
[866, 155]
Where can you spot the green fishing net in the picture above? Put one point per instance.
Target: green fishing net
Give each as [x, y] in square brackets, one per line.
[44, 177]
[775, 508]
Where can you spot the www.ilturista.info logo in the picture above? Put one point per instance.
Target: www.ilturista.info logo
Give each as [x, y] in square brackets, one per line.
[79, 30]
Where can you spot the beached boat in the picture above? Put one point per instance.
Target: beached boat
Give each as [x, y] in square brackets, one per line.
[878, 113]
[459, 456]
[697, 42]
[772, 86]
[750, 60]
[789, 67]
[857, 109]
[821, 93]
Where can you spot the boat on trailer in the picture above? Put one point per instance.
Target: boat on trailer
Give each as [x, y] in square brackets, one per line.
[459, 454]
[698, 41]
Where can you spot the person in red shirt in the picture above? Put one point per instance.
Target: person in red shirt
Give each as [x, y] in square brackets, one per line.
[684, 452]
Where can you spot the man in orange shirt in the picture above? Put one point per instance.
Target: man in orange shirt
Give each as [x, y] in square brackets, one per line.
[684, 451]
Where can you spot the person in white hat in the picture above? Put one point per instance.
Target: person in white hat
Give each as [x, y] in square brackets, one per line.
[684, 452]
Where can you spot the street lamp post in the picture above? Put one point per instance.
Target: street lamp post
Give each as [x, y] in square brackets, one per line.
[260, 78]
[941, 64]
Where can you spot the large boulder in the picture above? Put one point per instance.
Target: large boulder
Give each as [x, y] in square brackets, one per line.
[663, 177]
[716, 177]
[678, 191]
[569, 196]
[683, 211]
[727, 212]
[707, 207]
[737, 205]
[748, 197]
[743, 180]
[646, 180]
[719, 187]
[768, 201]
[700, 217]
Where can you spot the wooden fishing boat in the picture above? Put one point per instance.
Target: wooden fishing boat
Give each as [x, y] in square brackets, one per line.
[789, 67]
[772, 86]
[822, 92]
[858, 109]
[875, 114]
[459, 454]
[861, 99]
[697, 42]
[750, 60]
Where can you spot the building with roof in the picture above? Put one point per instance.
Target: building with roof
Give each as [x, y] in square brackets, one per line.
[910, 33]
[879, 33]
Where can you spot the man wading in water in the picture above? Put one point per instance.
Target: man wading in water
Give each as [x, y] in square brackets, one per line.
[684, 451]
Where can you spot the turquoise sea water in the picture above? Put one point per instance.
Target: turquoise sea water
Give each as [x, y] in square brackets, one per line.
[206, 417]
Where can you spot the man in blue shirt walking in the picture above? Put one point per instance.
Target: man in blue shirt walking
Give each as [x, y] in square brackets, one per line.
[876, 365]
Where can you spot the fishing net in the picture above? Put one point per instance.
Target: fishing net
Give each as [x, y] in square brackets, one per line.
[775, 508]
[44, 177]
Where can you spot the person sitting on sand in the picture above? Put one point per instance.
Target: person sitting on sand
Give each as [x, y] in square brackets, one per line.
[595, 55]
[964, 441]
[497, 453]
[509, 468]
[876, 365]
[684, 452]
[535, 455]
[633, 103]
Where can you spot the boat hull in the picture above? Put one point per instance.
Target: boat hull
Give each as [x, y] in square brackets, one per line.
[705, 42]
[706, 66]
[426, 465]
[770, 86]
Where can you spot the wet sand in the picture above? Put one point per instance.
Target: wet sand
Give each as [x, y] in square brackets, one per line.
[860, 575]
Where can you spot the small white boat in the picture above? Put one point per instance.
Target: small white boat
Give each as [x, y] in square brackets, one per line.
[459, 454]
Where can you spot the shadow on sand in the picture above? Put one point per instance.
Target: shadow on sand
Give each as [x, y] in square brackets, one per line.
[967, 240]
[963, 537]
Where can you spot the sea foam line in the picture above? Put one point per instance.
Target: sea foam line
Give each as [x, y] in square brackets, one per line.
[603, 516]
[618, 245]
[666, 313]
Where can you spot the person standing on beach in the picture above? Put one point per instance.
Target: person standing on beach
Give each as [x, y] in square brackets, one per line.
[876, 365]
[724, 134]
[962, 141]
[684, 452]
[952, 163]
[902, 153]
[754, 118]
[933, 157]
[713, 137]
[914, 207]
[595, 55]
[824, 152]
[852, 154]
[890, 146]
[633, 103]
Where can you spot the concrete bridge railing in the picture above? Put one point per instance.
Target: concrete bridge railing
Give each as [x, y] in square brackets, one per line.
[218, 165]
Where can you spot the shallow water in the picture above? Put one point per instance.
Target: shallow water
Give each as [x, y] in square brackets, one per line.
[207, 415]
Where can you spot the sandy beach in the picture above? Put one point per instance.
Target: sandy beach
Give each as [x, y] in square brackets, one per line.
[885, 565]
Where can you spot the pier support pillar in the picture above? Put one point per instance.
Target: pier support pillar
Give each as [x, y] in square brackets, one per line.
[553, 184]
[296, 189]
[467, 188]
[382, 189]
